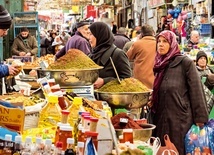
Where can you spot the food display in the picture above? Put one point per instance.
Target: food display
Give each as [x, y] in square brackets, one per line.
[73, 59]
[49, 58]
[126, 85]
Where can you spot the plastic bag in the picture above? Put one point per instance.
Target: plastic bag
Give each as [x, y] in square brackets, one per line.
[197, 140]
[169, 149]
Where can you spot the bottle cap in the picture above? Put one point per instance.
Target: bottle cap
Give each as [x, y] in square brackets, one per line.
[92, 119]
[91, 134]
[80, 144]
[65, 128]
[77, 100]
[52, 98]
[48, 142]
[87, 117]
[8, 137]
[70, 140]
[65, 112]
[59, 144]
[62, 124]
[38, 140]
[28, 140]
[18, 139]
[128, 130]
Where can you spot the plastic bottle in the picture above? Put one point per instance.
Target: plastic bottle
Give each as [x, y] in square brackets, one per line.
[80, 148]
[74, 110]
[48, 147]
[50, 115]
[27, 146]
[18, 145]
[37, 148]
[70, 147]
[64, 133]
[8, 146]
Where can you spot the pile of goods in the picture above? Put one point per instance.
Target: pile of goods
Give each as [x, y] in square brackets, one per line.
[126, 85]
[49, 58]
[123, 121]
[73, 59]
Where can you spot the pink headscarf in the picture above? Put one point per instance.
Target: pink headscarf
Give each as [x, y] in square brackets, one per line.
[162, 62]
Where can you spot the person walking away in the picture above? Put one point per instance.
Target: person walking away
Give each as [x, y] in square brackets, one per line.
[25, 44]
[121, 37]
[44, 43]
[101, 40]
[77, 41]
[143, 56]
[175, 103]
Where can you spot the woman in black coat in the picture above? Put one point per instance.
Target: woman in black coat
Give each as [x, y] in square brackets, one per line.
[101, 40]
[178, 99]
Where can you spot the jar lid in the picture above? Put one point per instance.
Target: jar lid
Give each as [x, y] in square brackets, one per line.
[65, 112]
[85, 113]
[80, 144]
[38, 140]
[65, 128]
[92, 119]
[92, 134]
[51, 80]
[70, 140]
[48, 141]
[128, 130]
[87, 117]
[62, 124]
[18, 138]
[8, 137]
[28, 140]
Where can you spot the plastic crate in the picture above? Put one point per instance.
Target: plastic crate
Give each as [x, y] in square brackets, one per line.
[205, 29]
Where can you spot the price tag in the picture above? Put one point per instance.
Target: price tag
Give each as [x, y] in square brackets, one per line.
[124, 120]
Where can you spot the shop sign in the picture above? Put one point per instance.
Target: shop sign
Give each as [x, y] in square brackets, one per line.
[156, 3]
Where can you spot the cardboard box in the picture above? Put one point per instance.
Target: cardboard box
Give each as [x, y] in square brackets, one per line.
[12, 118]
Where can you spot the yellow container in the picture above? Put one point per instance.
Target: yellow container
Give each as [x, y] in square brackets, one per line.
[50, 115]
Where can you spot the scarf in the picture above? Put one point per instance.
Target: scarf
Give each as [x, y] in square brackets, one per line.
[104, 38]
[162, 63]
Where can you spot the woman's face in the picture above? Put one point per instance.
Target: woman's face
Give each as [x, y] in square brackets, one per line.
[163, 46]
[202, 62]
[92, 40]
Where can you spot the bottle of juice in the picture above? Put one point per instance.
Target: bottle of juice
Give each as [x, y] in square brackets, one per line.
[74, 110]
[50, 115]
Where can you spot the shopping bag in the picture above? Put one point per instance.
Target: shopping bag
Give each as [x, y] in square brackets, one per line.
[211, 115]
[169, 149]
[197, 140]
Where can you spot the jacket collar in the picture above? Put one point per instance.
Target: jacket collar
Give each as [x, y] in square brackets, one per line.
[149, 38]
[176, 61]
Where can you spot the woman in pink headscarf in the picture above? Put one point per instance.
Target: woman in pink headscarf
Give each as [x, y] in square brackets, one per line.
[178, 99]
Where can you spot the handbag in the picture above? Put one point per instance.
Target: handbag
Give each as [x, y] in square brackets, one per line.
[169, 149]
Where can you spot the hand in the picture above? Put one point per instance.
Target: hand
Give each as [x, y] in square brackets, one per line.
[201, 125]
[99, 83]
[12, 70]
[22, 53]
[28, 54]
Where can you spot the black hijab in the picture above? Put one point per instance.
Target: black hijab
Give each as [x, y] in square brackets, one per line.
[104, 36]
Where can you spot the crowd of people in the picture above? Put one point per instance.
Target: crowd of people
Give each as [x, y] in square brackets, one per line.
[157, 62]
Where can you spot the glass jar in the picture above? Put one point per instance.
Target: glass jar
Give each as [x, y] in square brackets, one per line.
[128, 135]
[65, 132]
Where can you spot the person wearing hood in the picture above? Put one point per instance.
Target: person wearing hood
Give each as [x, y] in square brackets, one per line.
[178, 100]
[25, 44]
[101, 39]
[78, 41]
